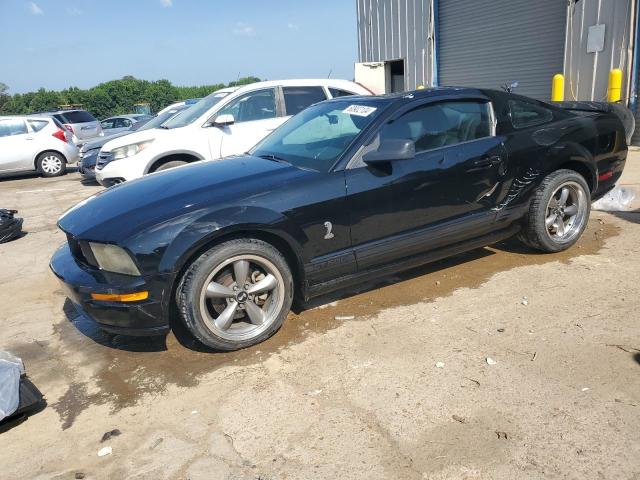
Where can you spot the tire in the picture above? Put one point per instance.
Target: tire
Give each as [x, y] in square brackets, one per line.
[51, 164]
[224, 316]
[168, 165]
[558, 213]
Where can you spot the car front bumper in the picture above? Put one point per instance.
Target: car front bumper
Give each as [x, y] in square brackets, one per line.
[117, 171]
[87, 165]
[146, 317]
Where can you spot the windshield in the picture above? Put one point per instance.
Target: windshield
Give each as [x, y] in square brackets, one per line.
[316, 137]
[196, 110]
[163, 117]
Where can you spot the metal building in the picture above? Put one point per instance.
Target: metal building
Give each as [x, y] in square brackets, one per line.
[486, 43]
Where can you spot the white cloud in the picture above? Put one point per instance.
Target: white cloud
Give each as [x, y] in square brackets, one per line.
[35, 9]
[74, 12]
[244, 30]
[166, 3]
[293, 26]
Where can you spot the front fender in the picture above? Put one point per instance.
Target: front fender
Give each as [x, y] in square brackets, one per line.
[201, 230]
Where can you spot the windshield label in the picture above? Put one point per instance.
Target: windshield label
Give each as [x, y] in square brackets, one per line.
[359, 110]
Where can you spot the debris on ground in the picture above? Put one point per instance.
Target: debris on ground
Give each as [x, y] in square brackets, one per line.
[525, 301]
[491, 361]
[345, 317]
[459, 419]
[112, 433]
[502, 435]
[104, 451]
[535, 354]
[439, 364]
[79, 476]
[617, 200]
[313, 393]
[472, 380]
[585, 389]
[10, 225]
[157, 442]
[501, 330]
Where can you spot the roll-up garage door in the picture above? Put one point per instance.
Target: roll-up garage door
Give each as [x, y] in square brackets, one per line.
[487, 43]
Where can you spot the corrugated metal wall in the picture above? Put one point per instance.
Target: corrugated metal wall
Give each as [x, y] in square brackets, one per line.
[486, 43]
[393, 30]
[587, 73]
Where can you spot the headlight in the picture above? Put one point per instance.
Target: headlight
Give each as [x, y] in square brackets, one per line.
[130, 150]
[113, 259]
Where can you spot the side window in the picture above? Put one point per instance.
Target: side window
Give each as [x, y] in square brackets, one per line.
[109, 123]
[441, 124]
[37, 125]
[524, 114]
[336, 92]
[297, 99]
[258, 105]
[121, 122]
[12, 126]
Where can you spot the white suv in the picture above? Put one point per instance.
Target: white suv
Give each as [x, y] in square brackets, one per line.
[35, 144]
[227, 122]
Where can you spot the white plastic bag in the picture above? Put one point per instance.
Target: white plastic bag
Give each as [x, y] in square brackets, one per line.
[617, 200]
[11, 368]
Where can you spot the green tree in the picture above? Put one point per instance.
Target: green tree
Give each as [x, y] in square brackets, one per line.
[4, 94]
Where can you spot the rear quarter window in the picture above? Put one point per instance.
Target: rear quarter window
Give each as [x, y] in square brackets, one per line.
[78, 116]
[524, 114]
[337, 92]
[37, 125]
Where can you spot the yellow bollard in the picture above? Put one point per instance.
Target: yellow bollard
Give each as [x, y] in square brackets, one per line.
[557, 88]
[420, 87]
[614, 93]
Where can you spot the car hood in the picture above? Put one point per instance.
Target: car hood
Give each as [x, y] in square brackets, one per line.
[200, 188]
[101, 141]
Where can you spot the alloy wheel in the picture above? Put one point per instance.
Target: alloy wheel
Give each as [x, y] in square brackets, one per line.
[242, 297]
[566, 212]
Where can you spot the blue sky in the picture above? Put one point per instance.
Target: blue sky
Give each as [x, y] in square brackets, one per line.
[56, 44]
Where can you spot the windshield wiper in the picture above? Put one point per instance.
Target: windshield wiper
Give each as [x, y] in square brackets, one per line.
[275, 158]
[164, 127]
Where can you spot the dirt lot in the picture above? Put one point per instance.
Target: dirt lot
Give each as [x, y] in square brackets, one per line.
[354, 399]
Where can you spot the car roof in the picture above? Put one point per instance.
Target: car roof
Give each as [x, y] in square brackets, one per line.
[300, 82]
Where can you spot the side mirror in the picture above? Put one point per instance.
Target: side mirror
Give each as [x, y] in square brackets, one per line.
[224, 120]
[389, 150]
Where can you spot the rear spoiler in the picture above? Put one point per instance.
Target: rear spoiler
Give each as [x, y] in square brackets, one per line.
[623, 113]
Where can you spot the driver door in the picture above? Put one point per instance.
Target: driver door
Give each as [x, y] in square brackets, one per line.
[256, 114]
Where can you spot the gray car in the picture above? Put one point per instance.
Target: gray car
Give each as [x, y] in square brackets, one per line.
[122, 123]
[80, 123]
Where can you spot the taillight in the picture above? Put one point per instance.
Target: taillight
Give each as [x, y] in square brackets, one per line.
[68, 127]
[60, 135]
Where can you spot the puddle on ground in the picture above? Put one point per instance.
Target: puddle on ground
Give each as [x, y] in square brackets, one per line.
[131, 367]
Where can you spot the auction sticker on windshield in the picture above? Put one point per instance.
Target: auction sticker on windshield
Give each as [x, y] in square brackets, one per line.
[359, 110]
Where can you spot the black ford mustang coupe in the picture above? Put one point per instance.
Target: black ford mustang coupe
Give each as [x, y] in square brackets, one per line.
[347, 189]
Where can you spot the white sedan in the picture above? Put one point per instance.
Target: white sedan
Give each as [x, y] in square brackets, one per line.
[229, 121]
[39, 144]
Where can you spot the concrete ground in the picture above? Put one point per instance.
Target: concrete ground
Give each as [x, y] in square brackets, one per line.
[404, 390]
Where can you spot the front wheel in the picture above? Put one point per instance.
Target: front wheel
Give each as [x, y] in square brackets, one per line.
[51, 164]
[169, 165]
[558, 213]
[236, 295]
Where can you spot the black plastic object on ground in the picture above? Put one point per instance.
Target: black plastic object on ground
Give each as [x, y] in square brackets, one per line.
[31, 401]
[10, 225]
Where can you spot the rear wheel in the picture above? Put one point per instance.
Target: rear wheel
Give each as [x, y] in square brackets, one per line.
[51, 164]
[558, 213]
[235, 295]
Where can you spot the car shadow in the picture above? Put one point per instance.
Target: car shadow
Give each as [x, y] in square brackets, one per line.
[632, 216]
[90, 329]
[636, 357]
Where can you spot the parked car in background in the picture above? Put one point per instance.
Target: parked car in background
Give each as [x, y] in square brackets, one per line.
[122, 123]
[80, 123]
[37, 144]
[350, 189]
[227, 122]
[89, 151]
